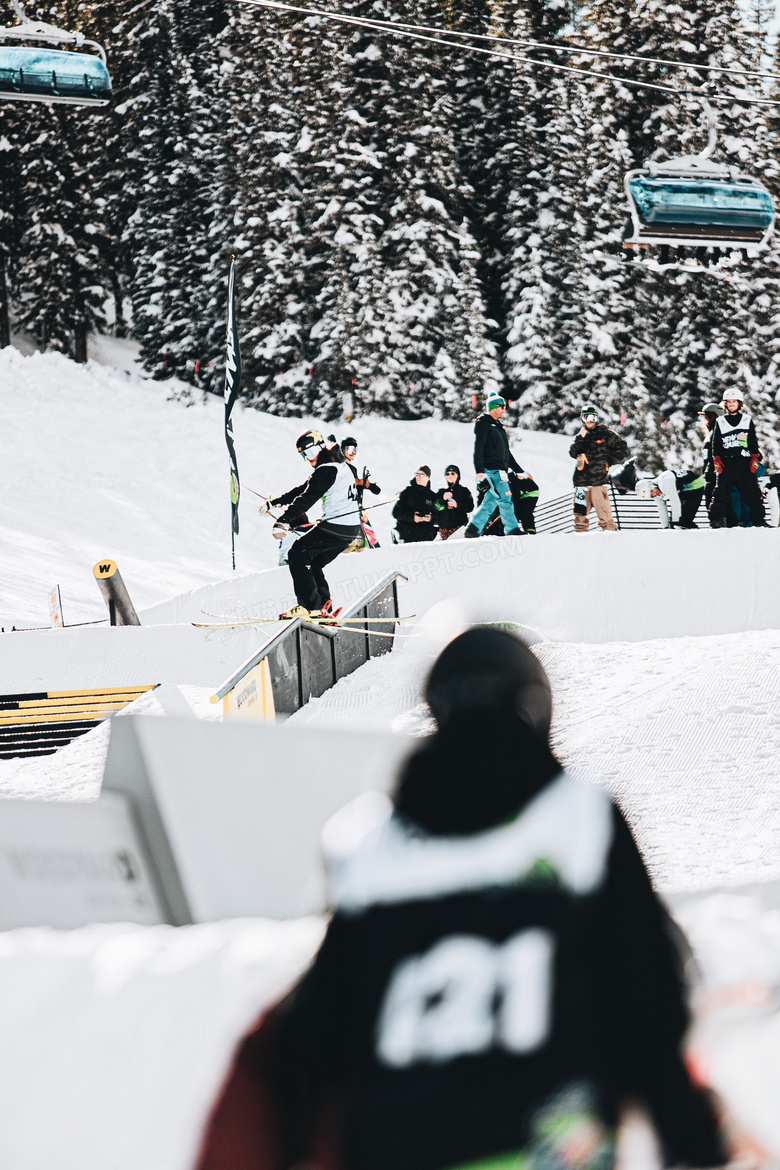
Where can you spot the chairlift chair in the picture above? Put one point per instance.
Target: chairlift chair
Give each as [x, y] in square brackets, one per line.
[694, 202]
[29, 72]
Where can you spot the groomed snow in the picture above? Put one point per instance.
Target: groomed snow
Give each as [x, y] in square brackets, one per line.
[684, 732]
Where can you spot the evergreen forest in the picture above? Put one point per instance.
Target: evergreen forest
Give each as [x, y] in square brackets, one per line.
[413, 223]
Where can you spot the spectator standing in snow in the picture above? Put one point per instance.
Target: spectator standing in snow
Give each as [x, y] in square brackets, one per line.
[679, 492]
[735, 458]
[363, 482]
[595, 449]
[454, 503]
[709, 414]
[498, 979]
[415, 508]
[493, 461]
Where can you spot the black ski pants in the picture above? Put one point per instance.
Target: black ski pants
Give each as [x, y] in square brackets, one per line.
[310, 554]
[736, 474]
[689, 506]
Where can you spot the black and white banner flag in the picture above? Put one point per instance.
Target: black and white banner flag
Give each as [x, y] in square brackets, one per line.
[232, 388]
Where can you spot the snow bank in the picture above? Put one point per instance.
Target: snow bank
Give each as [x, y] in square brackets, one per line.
[115, 1039]
[619, 586]
[102, 656]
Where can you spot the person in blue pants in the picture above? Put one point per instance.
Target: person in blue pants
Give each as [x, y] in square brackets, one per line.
[492, 462]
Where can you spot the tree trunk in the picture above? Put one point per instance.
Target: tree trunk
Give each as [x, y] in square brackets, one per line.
[120, 324]
[5, 325]
[79, 319]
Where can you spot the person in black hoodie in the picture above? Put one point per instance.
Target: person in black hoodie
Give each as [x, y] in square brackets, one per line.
[498, 978]
[454, 502]
[415, 508]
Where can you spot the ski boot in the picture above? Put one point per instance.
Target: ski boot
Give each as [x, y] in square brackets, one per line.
[298, 611]
[470, 532]
[328, 612]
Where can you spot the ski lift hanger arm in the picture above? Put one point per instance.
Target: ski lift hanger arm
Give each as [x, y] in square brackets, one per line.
[37, 30]
[405, 31]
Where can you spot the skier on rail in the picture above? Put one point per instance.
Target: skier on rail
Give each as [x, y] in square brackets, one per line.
[334, 483]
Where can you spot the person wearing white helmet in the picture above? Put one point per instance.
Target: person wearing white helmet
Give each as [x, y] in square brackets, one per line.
[735, 457]
[333, 483]
[678, 495]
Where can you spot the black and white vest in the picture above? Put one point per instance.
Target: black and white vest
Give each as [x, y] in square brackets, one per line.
[340, 502]
[735, 438]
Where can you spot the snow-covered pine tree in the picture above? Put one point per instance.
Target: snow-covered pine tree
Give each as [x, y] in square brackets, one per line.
[59, 272]
[542, 222]
[10, 230]
[168, 140]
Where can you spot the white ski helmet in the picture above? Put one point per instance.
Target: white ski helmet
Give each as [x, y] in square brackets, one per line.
[645, 488]
[732, 396]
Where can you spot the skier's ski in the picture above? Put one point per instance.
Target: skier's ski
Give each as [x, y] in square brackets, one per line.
[227, 625]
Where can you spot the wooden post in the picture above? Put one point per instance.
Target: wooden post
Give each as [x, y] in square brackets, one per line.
[121, 611]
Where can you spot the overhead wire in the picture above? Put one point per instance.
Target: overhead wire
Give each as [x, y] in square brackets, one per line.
[411, 32]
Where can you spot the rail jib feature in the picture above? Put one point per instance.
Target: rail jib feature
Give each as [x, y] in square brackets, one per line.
[38, 723]
[302, 661]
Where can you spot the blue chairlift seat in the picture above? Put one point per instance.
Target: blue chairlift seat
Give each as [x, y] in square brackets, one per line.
[53, 75]
[738, 210]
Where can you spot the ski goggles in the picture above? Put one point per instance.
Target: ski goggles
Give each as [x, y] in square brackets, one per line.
[313, 451]
[350, 449]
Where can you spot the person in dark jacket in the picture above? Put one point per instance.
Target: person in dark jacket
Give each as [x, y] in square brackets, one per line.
[596, 448]
[363, 481]
[709, 414]
[454, 503]
[735, 458]
[492, 462]
[498, 979]
[415, 508]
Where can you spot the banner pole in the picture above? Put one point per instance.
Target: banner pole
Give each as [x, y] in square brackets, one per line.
[232, 390]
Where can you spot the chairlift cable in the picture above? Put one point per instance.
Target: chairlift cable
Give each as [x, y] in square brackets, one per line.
[569, 47]
[405, 30]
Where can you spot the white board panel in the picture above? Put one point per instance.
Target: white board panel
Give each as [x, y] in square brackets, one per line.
[241, 807]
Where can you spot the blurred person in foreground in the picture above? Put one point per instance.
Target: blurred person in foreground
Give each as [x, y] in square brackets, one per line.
[498, 979]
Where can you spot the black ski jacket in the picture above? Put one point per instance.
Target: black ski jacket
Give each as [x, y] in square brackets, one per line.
[491, 447]
[302, 497]
[364, 483]
[496, 950]
[603, 449]
[447, 517]
[415, 500]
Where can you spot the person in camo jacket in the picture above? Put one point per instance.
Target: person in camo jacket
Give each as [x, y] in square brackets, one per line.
[596, 448]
